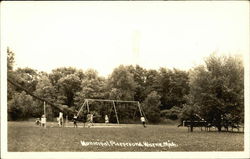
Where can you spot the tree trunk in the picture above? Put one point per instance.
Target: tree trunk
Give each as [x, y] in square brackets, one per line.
[219, 128]
[191, 126]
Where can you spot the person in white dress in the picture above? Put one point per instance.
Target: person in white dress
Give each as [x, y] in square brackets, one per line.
[106, 119]
[43, 121]
[60, 118]
[143, 121]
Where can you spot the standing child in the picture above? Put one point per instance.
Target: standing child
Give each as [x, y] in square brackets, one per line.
[75, 120]
[89, 119]
[38, 121]
[60, 119]
[106, 119]
[43, 121]
[92, 119]
[143, 121]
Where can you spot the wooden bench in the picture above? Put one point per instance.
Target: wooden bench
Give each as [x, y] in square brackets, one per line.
[192, 124]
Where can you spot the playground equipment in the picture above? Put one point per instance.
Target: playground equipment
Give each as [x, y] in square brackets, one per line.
[66, 110]
[86, 105]
[61, 108]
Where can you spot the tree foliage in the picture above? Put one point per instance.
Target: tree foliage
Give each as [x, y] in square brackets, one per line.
[21, 106]
[152, 107]
[10, 59]
[218, 89]
[214, 91]
[122, 82]
[172, 87]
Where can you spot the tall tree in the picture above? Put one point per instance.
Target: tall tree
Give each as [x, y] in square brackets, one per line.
[121, 86]
[139, 75]
[45, 90]
[92, 86]
[151, 105]
[218, 89]
[123, 81]
[69, 85]
[151, 82]
[172, 86]
[27, 77]
[10, 59]
[10, 66]
[66, 82]
[179, 87]
[165, 88]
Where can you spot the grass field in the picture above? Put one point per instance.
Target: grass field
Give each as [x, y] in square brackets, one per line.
[25, 136]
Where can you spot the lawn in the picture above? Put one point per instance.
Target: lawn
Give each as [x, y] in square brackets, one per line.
[25, 136]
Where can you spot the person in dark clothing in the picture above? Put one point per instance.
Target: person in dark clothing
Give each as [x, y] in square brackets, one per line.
[75, 121]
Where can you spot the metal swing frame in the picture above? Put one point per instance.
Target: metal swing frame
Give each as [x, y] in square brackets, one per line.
[86, 103]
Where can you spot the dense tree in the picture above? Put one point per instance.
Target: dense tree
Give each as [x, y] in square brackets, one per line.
[10, 59]
[218, 89]
[179, 87]
[59, 73]
[172, 113]
[45, 90]
[190, 111]
[139, 75]
[151, 105]
[27, 77]
[151, 83]
[66, 82]
[69, 85]
[21, 106]
[121, 85]
[164, 87]
[172, 87]
[122, 81]
[214, 91]
[92, 86]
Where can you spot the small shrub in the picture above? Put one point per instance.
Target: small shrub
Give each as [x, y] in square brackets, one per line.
[172, 113]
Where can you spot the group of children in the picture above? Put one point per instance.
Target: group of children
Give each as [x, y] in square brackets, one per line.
[90, 118]
[91, 123]
[41, 122]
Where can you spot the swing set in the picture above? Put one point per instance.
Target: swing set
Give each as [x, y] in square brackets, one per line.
[86, 106]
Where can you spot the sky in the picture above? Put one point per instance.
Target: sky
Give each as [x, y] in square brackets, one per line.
[104, 35]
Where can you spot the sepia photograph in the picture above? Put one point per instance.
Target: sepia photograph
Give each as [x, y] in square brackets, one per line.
[125, 79]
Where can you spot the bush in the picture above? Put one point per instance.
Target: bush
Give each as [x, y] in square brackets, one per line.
[20, 106]
[172, 113]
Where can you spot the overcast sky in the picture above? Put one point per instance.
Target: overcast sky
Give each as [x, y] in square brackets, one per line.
[103, 35]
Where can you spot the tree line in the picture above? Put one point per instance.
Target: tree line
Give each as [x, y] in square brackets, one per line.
[214, 91]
